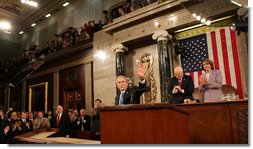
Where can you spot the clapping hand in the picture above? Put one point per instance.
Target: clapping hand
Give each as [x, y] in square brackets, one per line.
[203, 80]
[6, 129]
[93, 112]
[175, 89]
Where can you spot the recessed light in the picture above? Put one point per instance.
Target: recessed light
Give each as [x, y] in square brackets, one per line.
[198, 18]
[48, 15]
[65, 4]
[156, 24]
[203, 20]
[208, 22]
[33, 24]
[21, 32]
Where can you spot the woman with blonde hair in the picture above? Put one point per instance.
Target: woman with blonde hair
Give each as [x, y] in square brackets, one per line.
[210, 82]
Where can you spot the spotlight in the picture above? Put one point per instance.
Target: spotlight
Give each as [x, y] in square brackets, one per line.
[33, 24]
[48, 15]
[5, 25]
[65, 4]
[208, 22]
[203, 20]
[156, 24]
[198, 18]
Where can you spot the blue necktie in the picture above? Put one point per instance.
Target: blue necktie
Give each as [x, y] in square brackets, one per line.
[121, 98]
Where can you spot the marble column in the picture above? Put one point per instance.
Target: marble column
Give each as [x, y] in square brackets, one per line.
[120, 59]
[162, 38]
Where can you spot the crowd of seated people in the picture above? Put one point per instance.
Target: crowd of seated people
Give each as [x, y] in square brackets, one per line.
[14, 123]
[130, 6]
[67, 39]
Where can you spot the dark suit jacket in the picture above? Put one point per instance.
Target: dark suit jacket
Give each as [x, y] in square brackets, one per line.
[86, 125]
[132, 94]
[2, 135]
[64, 124]
[187, 85]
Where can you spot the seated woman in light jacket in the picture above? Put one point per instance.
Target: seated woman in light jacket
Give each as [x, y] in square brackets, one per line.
[210, 82]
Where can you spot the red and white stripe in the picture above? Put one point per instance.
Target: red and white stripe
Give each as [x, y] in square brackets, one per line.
[223, 50]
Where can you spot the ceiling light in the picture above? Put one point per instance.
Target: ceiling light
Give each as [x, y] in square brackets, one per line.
[33, 24]
[156, 24]
[101, 55]
[21, 32]
[30, 2]
[48, 15]
[198, 18]
[208, 22]
[203, 20]
[65, 4]
[194, 15]
[5, 25]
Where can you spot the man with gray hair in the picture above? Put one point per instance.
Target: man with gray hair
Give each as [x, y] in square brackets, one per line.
[61, 121]
[180, 86]
[131, 95]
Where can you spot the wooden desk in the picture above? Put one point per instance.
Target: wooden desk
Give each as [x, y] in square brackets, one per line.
[44, 136]
[143, 124]
[218, 122]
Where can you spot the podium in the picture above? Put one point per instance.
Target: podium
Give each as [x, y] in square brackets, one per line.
[144, 124]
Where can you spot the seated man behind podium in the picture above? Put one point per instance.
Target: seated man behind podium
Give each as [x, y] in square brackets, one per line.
[41, 122]
[131, 95]
[180, 86]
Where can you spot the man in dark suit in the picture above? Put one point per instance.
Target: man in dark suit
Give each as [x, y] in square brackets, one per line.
[61, 121]
[84, 121]
[180, 86]
[25, 123]
[131, 95]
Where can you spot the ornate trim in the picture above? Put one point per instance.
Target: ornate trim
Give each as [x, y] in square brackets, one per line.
[119, 48]
[147, 60]
[161, 35]
[242, 117]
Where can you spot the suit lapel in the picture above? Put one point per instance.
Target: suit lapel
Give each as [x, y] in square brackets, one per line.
[183, 82]
[125, 95]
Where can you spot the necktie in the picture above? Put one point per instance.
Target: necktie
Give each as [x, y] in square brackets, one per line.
[121, 98]
[82, 127]
[180, 82]
[58, 119]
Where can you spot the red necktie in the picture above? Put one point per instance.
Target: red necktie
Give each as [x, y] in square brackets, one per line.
[58, 119]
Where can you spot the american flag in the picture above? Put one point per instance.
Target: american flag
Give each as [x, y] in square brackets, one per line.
[221, 47]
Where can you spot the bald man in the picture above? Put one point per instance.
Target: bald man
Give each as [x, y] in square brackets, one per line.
[180, 86]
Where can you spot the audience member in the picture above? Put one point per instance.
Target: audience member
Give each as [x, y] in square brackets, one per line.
[84, 121]
[96, 117]
[41, 122]
[13, 128]
[61, 121]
